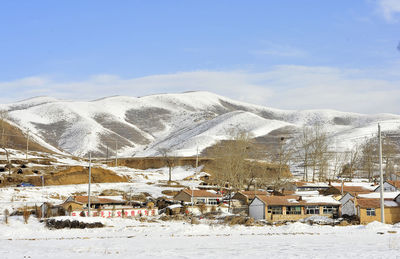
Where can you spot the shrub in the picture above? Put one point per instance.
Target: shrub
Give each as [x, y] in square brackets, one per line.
[194, 221]
[6, 215]
[150, 205]
[26, 215]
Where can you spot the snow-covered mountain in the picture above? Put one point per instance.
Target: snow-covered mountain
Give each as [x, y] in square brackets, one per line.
[177, 122]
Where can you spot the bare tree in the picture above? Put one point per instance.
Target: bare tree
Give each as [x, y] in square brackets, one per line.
[303, 143]
[353, 161]
[369, 157]
[312, 148]
[169, 159]
[390, 151]
[338, 161]
[231, 161]
[319, 154]
[281, 156]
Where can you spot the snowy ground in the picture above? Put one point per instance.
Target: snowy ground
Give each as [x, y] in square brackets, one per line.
[126, 238]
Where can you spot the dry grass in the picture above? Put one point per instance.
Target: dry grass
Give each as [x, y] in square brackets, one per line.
[112, 192]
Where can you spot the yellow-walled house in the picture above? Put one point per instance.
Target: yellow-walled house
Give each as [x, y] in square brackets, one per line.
[292, 208]
[368, 210]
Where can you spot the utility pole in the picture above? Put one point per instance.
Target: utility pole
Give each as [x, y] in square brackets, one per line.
[90, 176]
[381, 175]
[195, 174]
[116, 153]
[27, 145]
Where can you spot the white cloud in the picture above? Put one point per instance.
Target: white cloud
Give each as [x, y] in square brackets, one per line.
[390, 9]
[286, 87]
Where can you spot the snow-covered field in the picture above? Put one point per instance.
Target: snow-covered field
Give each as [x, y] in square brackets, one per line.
[127, 238]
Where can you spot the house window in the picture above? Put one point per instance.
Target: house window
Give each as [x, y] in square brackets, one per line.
[275, 210]
[293, 210]
[371, 212]
[312, 209]
[198, 201]
[212, 201]
[329, 209]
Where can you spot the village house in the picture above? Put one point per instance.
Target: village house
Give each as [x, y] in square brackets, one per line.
[348, 200]
[245, 197]
[310, 186]
[343, 189]
[348, 205]
[292, 208]
[105, 206]
[389, 186]
[394, 176]
[198, 197]
[368, 210]
[241, 200]
[74, 203]
[49, 210]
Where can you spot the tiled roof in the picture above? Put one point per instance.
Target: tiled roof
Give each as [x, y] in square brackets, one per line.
[311, 184]
[353, 189]
[279, 200]
[293, 200]
[395, 183]
[94, 200]
[375, 203]
[202, 193]
[251, 194]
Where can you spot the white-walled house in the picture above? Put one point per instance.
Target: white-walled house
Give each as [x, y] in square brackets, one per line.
[348, 205]
[199, 197]
[389, 186]
[349, 208]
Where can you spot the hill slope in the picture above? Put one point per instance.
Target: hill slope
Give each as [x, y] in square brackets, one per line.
[179, 122]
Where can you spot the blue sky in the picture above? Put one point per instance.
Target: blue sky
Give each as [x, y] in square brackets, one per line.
[284, 54]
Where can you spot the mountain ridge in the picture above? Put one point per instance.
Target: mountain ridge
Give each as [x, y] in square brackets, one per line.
[178, 122]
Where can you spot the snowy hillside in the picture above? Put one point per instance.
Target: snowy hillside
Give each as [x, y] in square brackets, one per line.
[179, 122]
